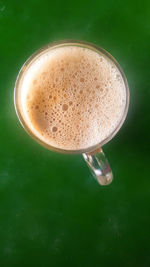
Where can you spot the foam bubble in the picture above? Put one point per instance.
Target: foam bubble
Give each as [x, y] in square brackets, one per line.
[73, 98]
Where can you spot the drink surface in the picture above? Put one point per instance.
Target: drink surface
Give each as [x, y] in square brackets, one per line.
[72, 97]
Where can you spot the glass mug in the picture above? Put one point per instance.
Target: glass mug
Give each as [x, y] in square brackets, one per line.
[94, 156]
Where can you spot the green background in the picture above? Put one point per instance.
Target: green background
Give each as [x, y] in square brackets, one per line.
[52, 212]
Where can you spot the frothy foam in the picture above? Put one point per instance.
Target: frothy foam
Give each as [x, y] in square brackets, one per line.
[72, 97]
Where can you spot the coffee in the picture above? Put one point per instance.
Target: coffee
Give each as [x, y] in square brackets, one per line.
[72, 97]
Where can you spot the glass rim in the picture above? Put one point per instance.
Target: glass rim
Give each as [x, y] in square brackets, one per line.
[41, 51]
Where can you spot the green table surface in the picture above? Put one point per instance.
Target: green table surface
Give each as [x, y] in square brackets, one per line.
[52, 212]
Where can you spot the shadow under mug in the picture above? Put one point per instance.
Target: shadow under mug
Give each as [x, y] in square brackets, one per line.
[94, 156]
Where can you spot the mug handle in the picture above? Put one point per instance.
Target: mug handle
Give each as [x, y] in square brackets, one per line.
[99, 166]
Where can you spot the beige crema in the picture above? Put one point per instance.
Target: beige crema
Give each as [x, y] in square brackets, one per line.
[72, 97]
